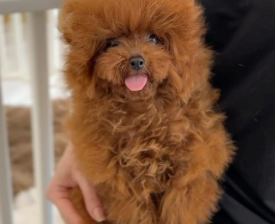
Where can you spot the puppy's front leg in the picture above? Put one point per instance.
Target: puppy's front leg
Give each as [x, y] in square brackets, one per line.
[190, 204]
[126, 211]
[131, 211]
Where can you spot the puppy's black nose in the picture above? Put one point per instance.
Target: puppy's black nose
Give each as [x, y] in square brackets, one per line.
[136, 62]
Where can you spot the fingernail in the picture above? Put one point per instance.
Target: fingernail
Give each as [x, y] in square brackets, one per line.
[98, 215]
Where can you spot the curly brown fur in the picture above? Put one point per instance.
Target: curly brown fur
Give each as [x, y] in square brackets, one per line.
[154, 155]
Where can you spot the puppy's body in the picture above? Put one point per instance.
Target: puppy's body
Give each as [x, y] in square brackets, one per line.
[154, 155]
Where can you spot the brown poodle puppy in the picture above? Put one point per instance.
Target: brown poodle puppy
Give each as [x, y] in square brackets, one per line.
[143, 124]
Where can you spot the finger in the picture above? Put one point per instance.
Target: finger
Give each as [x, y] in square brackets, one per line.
[68, 212]
[92, 202]
[59, 196]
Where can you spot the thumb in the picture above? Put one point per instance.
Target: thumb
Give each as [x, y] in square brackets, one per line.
[92, 202]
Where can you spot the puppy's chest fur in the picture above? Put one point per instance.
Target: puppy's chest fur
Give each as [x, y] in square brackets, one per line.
[146, 145]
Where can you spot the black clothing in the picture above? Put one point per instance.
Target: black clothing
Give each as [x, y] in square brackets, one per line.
[242, 32]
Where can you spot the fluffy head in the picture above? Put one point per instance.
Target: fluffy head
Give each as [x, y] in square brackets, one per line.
[104, 35]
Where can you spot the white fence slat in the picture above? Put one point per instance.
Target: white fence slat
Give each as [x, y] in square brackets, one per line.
[5, 176]
[51, 36]
[18, 40]
[41, 116]
[56, 45]
[3, 51]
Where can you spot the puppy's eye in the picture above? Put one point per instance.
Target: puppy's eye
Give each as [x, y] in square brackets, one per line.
[111, 42]
[153, 38]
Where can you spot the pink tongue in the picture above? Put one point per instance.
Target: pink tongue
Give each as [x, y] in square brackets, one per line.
[136, 83]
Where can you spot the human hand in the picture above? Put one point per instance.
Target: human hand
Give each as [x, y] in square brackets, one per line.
[67, 176]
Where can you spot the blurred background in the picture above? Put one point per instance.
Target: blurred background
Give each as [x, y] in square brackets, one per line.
[17, 101]
[15, 64]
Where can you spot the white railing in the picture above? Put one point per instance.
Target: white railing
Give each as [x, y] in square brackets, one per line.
[39, 67]
[5, 184]
[3, 50]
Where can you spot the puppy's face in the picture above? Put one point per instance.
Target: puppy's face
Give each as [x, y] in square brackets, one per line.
[134, 64]
[133, 48]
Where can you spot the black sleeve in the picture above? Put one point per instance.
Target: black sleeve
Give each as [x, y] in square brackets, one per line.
[242, 32]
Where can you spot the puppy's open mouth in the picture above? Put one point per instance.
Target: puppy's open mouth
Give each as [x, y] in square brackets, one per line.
[136, 82]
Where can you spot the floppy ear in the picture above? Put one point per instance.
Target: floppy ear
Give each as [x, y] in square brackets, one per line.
[76, 25]
[193, 61]
[191, 57]
[65, 20]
